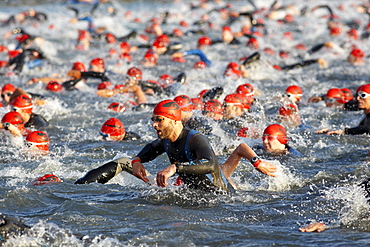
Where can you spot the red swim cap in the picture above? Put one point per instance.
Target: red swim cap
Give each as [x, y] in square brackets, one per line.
[278, 131]
[8, 88]
[105, 85]
[98, 62]
[197, 103]
[54, 86]
[169, 109]
[200, 65]
[363, 88]
[165, 80]
[125, 47]
[337, 94]
[214, 106]
[47, 179]
[23, 102]
[288, 110]
[38, 138]
[14, 118]
[358, 53]
[135, 72]
[294, 89]
[117, 107]
[184, 102]
[205, 40]
[113, 127]
[79, 66]
[110, 38]
[348, 95]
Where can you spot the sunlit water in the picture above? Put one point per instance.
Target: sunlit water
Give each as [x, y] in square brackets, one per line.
[321, 186]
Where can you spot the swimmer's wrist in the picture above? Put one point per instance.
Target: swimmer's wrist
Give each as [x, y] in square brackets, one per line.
[135, 160]
[256, 161]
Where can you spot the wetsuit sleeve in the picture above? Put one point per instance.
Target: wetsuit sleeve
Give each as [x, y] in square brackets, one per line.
[205, 160]
[93, 74]
[131, 136]
[151, 151]
[37, 121]
[363, 128]
[351, 105]
[315, 48]
[200, 54]
[299, 65]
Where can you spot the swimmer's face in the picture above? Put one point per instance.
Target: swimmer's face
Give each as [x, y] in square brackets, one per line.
[231, 111]
[271, 144]
[6, 96]
[164, 126]
[364, 101]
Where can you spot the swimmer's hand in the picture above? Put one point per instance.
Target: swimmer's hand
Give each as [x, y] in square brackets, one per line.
[106, 93]
[266, 168]
[75, 74]
[322, 131]
[165, 174]
[314, 99]
[335, 132]
[314, 227]
[138, 171]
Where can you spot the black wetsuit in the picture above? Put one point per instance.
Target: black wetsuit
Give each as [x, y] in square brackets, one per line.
[195, 160]
[131, 136]
[36, 121]
[362, 128]
[196, 163]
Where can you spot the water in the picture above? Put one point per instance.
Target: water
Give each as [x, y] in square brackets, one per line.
[321, 186]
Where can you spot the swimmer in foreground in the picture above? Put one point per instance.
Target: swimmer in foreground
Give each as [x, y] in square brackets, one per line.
[189, 152]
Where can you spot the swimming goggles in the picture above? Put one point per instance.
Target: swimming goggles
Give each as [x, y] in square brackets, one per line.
[363, 95]
[6, 94]
[157, 119]
[268, 138]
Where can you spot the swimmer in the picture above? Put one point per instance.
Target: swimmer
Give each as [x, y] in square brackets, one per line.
[363, 97]
[113, 129]
[190, 154]
[23, 105]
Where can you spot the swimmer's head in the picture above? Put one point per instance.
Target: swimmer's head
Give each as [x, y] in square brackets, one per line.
[105, 85]
[14, 118]
[169, 109]
[184, 102]
[114, 129]
[54, 86]
[213, 106]
[334, 97]
[348, 95]
[22, 103]
[165, 80]
[276, 131]
[135, 73]
[294, 93]
[204, 41]
[98, 62]
[117, 107]
[79, 66]
[38, 140]
[47, 179]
